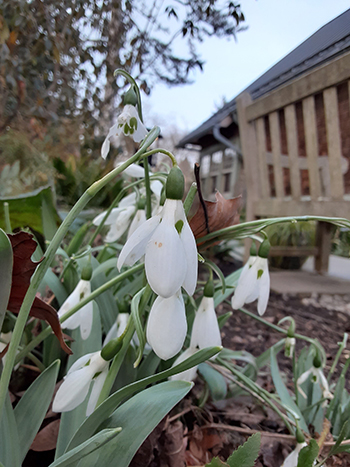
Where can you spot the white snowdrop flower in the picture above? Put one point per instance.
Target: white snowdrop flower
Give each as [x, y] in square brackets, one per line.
[170, 251]
[167, 326]
[138, 220]
[88, 369]
[187, 375]
[254, 282]
[133, 170]
[205, 330]
[119, 218]
[128, 123]
[292, 459]
[82, 318]
[317, 376]
[289, 346]
[118, 327]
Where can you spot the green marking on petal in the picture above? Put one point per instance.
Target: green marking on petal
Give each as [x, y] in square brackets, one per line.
[133, 123]
[260, 273]
[127, 129]
[88, 362]
[97, 374]
[178, 226]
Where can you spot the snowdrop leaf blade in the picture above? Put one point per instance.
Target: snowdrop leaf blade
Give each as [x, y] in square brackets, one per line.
[104, 410]
[138, 417]
[138, 325]
[187, 375]
[9, 452]
[135, 247]
[216, 382]
[31, 409]
[283, 393]
[86, 448]
[167, 326]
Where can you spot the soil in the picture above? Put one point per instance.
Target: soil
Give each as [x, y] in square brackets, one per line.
[191, 436]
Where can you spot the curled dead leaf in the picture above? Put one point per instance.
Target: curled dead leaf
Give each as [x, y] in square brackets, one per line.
[23, 246]
[221, 213]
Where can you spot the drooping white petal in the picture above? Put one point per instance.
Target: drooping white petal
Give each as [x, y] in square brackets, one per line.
[98, 383]
[135, 247]
[128, 200]
[139, 219]
[121, 224]
[135, 171]
[246, 287]
[323, 381]
[82, 290]
[111, 219]
[156, 187]
[81, 362]
[137, 132]
[167, 326]
[264, 287]
[292, 459]
[188, 375]
[189, 243]
[165, 259]
[73, 390]
[205, 330]
[303, 377]
[118, 327]
[113, 131]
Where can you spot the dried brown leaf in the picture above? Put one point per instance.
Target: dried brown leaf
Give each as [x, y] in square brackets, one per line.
[221, 213]
[23, 247]
[46, 439]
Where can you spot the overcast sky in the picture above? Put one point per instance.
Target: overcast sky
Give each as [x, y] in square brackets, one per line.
[275, 27]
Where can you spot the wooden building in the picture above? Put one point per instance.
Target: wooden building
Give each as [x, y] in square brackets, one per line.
[291, 131]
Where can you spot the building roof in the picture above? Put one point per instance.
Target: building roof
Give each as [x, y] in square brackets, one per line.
[330, 41]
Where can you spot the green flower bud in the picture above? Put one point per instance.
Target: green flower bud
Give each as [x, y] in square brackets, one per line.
[175, 185]
[264, 249]
[130, 97]
[86, 272]
[299, 436]
[111, 349]
[317, 363]
[253, 251]
[209, 288]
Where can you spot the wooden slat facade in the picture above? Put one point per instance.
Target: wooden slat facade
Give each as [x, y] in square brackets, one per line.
[296, 132]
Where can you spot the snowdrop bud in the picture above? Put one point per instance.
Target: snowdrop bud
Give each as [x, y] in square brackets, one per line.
[86, 272]
[175, 185]
[317, 363]
[264, 249]
[299, 435]
[209, 288]
[130, 97]
[111, 349]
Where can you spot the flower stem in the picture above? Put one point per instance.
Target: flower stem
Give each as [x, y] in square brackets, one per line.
[49, 256]
[162, 151]
[131, 80]
[148, 188]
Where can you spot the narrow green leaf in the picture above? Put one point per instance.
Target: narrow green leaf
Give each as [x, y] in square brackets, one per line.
[31, 409]
[70, 421]
[308, 454]
[341, 437]
[138, 417]
[6, 261]
[283, 393]
[216, 382]
[9, 452]
[135, 302]
[246, 455]
[84, 449]
[104, 410]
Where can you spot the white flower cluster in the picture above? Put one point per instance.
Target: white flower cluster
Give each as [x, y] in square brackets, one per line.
[168, 245]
